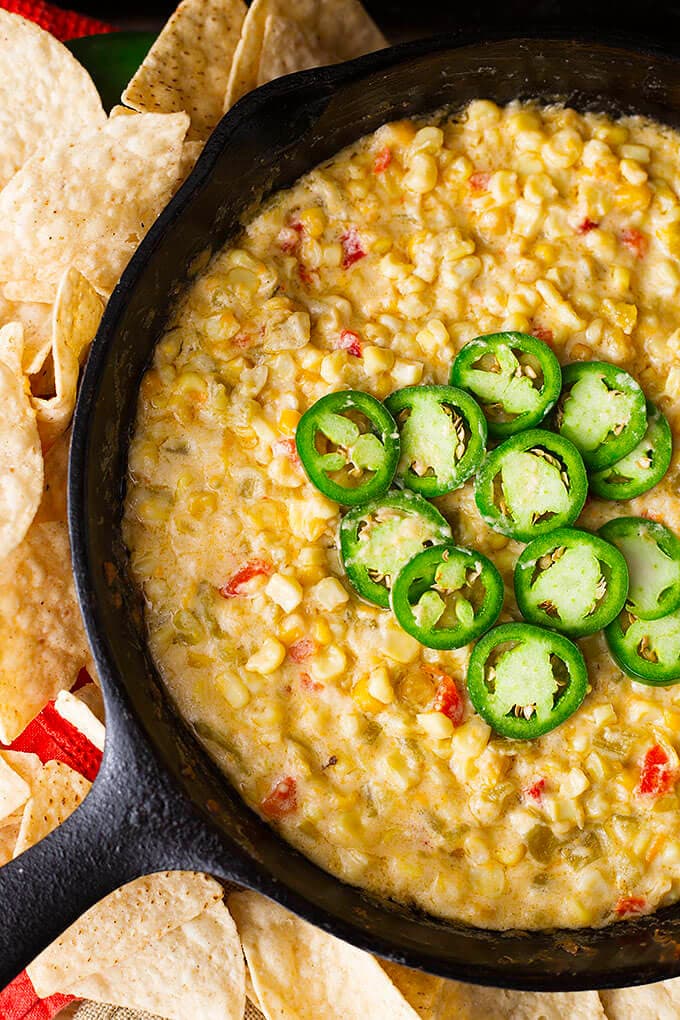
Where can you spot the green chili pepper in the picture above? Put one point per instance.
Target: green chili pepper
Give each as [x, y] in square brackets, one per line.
[443, 437]
[571, 581]
[447, 596]
[530, 484]
[348, 444]
[515, 377]
[652, 553]
[643, 467]
[647, 650]
[601, 411]
[379, 538]
[524, 681]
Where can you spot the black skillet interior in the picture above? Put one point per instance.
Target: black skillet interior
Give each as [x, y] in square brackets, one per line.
[264, 144]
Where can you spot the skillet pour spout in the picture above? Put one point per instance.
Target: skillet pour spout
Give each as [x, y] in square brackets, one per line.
[159, 802]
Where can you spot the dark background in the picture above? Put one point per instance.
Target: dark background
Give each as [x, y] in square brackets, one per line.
[402, 20]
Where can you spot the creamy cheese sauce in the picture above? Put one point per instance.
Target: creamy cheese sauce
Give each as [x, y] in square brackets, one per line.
[371, 273]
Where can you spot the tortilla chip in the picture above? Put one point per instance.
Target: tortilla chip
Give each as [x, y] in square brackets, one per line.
[91, 696]
[196, 970]
[301, 973]
[650, 1002]
[45, 94]
[37, 322]
[281, 36]
[53, 503]
[21, 463]
[55, 795]
[77, 313]
[9, 832]
[70, 707]
[43, 645]
[14, 790]
[421, 990]
[187, 68]
[121, 925]
[471, 1002]
[87, 204]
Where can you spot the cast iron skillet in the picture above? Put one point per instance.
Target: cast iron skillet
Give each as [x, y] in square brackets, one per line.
[158, 802]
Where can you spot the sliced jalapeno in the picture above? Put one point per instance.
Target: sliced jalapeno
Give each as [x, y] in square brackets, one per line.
[379, 538]
[652, 553]
[515, 377]
[571, 581]
[643, 467]
[524, 680]
[530, 484]
[349, 446]
[443, 436]
[647, 650]
[446, 596]
[601, 411]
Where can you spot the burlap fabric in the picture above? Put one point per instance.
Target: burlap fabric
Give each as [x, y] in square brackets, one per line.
[98, 1011]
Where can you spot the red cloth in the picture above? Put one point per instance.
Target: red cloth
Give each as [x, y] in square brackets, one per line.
[19, 1002]
[62, 24]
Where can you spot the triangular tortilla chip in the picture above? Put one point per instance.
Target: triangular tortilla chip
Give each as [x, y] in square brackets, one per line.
[43, 643]
[70, 707]
[301, 973]
[14, 790]
[9, 832]
[650, 1002]
[53, 503]
[77, 313]
[21, 462]
[187, 68]
[121, 925]
[55, 794]
[45, 94]
[471, 1002]
[37, 322]
[421, 990]
[196, 970]
[88, 203]
[281, 36]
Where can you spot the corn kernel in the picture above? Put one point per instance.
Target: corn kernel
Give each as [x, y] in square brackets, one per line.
[490, 879]
[321, 632]
[407, 373]
[331, 255]
[233, 689]
[622, 315]
[288, 420]
[503, 187]
[334, 366]
[396, 644]
[292, 628]
[381, 245]
[476, 848]
[393, 267]
[377, 359]
[202, 503]
[285, 591]
[620, 278]
[328, 664]
[364, 699]
[422, 174]
[481, 113]
[379, 686]
[510, 853]
[574, 783]
[428, 139]
[313, 220]
[539, 188]
[329, 593]
[190, 384]
[563, 149]
[399, 771]
[545, 252]
[267, 658]
[435, 724]
[639, 153]
[632, 171]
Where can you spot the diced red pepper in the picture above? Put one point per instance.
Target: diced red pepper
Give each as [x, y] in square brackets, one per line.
[628, 905]
[282, 799]
[308, 684]
[657, 775]
[536, 791]
[302, 649]
[350, 342]
[587, 225]
[286, 448]
[447, 699]
[255, 568]
[382, 160]
[352, 249]
[306, 275]
[289, 237]
[542, 333]
[479, 181]
[635, 241]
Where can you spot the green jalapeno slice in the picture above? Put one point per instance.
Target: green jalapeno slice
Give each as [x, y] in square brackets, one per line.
[601, 410]
[447, 596]
[652, 553]
[571, 581]
[379, 538]
[647, 650]
[531, 484]
[524, 680]
[641, 469]
[348, 444]
[443, 437]
[515, 377]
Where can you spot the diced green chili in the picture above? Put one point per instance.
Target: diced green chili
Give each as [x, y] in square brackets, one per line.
[348, 444]
[531, 484]
[445, 597]
[571, 581]
[652, 553]
[643, 467]
[379, 538]
[515, 377]
[647, 650]
[524, 680]
[443, 437]
[601, 410]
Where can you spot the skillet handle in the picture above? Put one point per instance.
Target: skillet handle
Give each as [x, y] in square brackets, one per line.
[133, 822]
